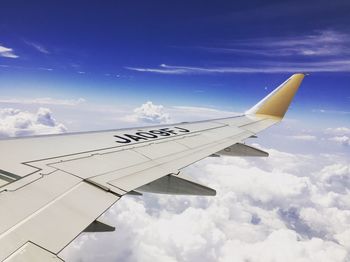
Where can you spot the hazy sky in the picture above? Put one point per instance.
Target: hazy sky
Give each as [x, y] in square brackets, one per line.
[88, 65]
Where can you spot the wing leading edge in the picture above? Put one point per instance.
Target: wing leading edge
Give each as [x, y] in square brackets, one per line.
[52, 188]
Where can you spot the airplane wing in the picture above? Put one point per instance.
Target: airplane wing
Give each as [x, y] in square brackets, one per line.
[54, 187]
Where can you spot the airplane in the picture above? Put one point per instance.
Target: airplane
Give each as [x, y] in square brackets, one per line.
[54, 187]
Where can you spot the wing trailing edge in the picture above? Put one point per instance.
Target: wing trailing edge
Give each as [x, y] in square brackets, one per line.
[240, 149]
[98, 226]
[32, 252]
[175, 185]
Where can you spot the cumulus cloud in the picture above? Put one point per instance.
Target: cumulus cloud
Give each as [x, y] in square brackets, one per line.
[344, 140]
[14, 122]
[338, 131]
[340, 135]
[288, 207]
[148, 113]
[7, 52]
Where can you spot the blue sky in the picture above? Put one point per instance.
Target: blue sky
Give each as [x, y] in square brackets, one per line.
[224, 55]
[91, 65]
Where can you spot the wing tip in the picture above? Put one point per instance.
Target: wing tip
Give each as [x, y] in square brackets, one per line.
[277, 102]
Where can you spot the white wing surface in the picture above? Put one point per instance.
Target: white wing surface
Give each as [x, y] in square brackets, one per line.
[54, 187]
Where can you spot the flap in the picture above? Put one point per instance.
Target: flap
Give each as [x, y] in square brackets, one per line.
[32, 252]
[175, 185]
[98, 226]
[240, 149]
[54, 221]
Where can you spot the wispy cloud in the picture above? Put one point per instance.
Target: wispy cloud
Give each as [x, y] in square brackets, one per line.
[327, 111]
[7, 52]
[162, 69]
[44, 101]
[38, 47]
[324, 51]
[26, 68]
[267, 67]
[322, 43]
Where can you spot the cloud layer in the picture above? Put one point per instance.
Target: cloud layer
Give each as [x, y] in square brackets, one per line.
[288, 207]
[284, 208]
[14, 122]
[44, 101]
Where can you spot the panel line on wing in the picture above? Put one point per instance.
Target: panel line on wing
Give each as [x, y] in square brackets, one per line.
[128, 145]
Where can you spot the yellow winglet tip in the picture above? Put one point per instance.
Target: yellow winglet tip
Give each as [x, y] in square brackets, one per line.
[277, 102]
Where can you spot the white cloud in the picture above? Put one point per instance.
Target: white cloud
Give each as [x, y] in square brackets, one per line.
[338, 131]
[287, 207]
[344, 140]
[148, 113]
[7, 52]
[336, 177]
[44, 101]
[40, 48]
[331, 111]
[164, 69]
[27, 68]
[340, 135]
[283, 245]
[326, 51]
[334, 65]
[304, 137]
[14, 122]
[317, 44]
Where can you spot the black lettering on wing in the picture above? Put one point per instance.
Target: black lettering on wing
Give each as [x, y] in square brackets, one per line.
[146, 135]
[168, 130]
[122, 140]
[181, 129]
[135, 138]
[159, 132]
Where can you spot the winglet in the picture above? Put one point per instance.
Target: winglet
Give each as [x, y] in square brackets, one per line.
[278, 101]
